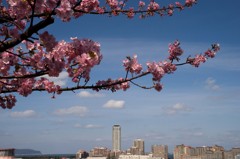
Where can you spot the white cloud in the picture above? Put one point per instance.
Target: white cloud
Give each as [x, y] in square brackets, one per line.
[155, 136]
[114, 104]
[75, 110]
[61, 80]
[211, 84]
[92, 126]
[88, 126]
[86, 94]
[99, 139]
[4, 133]
[77, 125]
[59, 121]
[23, 114]
[177, 108]
[198, 134]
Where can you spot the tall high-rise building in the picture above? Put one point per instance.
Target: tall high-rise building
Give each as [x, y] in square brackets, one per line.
[139, 145]
[116, 138]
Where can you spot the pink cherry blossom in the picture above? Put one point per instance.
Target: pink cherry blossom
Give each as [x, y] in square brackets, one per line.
[141, 4]
[87, 5]
[156, 70]
[170, 12]
[6, 61]
[130, 13]
[132, 65]
[189, 3]
[48, 41]
[64, 11]
[125, 86]
[50, 87]
[153, 6]
[122, 86]
[198, 60]
[210, 53]
[113, 3]
[18, 8]
[175, 51]
[215, 47]
[158, 86]
[26, 87]
[7, 101]
[100, 10]
[168, 67]
[179, 5]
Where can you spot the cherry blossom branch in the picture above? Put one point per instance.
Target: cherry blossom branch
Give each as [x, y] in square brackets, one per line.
[131, 65]
[36, 74]
[28, 33]
[153, 7]
[26, 72]
[143, 87]
[94, 87]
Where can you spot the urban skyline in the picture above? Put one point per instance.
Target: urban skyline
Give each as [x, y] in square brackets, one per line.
[161, 151]
[138, 147]
[158, 151]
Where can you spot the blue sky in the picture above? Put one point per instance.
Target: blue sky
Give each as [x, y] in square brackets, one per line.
[197, 107]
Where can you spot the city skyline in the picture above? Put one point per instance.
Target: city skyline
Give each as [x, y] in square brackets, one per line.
[197, 106]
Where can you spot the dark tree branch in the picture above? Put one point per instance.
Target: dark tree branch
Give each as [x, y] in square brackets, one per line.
[37, 74]
[33, 10]
[96, 87]
[28, 33]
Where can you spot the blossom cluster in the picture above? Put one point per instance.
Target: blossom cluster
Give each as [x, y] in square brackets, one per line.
[17, 15]
[201, 58]
[22, 71]
[28, 55]
[7, 101]
[132, 65]
[113, 85]
[174, 51]
[66, 9]
[78, 58]
[159, 69]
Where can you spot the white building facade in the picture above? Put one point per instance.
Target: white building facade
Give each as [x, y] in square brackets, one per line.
[116, 138]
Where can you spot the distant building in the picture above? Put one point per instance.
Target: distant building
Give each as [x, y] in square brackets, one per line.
[160, 151]
[231, 154]
[205, 152]
[138, 147]
[179, 151]
[81, 154]
[115, 154]
[237, 156]
[138, 157]
[99, 152]
[116, 138]
[97, 158]
[235, 151]
[133, 157]
[134, 150]
[7, 153]
[228, 155]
